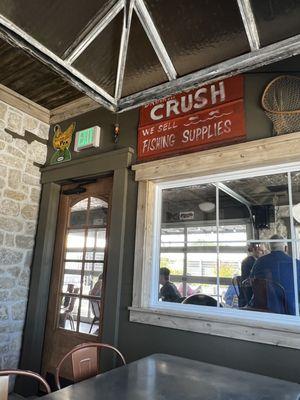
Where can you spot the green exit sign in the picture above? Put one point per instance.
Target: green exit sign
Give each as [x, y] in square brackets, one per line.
[87, 138]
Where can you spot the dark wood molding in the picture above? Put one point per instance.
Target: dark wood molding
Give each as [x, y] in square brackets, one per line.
[89, 166]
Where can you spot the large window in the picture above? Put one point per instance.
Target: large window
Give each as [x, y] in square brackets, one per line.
[230, 243]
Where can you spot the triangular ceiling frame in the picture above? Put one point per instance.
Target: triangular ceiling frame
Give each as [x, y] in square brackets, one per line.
[258, 55]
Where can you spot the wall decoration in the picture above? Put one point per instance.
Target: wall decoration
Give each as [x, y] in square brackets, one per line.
[61, 143]
[199, 119]
[281, 102]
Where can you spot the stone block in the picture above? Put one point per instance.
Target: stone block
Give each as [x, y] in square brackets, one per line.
[14, 151]
[43, 130]
[30, 124]
[13, 271]
[10, 361]
[31, 180]
[14, 122]
[39, 152]
[24, 277]
[29, 212]
[14, 178]
[24, 242]
[30, 228]
[18, 311]
[3, 171]
[10, 224]
[9, 240]
[3, 110]
[3, 312]
[10, 257]
[12, 161]
[4, 328]
[32, 170]
[4, 135]
[9, 207]
[13, 194]
[19, 293]
[21, 145]
[4, 296]
[7, 283]
[35, 195]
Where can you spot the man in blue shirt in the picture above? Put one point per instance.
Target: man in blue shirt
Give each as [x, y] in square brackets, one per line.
[277, 268]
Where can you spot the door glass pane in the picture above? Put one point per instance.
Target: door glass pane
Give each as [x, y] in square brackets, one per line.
[68, 311]
[78, 214]
[83, 266]
[98, 212]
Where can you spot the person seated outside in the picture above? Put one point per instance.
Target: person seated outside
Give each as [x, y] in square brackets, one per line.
[168, 291]
[277, 267]
[96, 290]
[254, 252]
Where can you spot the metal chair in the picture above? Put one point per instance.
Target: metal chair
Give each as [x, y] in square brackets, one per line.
[66, 313]
[96, 311]
[4, 380]
[201, 300]
[85, 361]
[268, 296]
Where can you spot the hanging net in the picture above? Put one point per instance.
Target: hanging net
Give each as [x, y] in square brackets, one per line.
[281, 102]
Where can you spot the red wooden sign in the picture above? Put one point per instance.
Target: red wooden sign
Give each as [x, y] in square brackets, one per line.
[193, 132]
[194, 120]
[193, 101]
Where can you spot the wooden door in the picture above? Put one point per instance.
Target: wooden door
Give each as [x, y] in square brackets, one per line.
[77, 291]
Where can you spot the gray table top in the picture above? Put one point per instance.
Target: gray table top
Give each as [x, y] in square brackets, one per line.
[162, 377]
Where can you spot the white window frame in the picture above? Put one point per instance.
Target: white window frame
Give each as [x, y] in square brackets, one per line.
[283, 155]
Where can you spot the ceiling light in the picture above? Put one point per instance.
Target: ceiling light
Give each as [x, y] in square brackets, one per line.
[207, 206]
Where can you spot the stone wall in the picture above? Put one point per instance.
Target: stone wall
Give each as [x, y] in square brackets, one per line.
[19, 201]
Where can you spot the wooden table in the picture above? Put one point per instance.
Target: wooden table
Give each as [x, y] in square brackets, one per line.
[163, 377]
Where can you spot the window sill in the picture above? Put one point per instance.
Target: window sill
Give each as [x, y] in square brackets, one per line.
[257, 327]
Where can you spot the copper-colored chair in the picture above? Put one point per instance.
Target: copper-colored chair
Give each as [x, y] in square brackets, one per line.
[4, 380]
[85, 361]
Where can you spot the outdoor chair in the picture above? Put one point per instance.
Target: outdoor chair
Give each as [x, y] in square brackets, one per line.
[96, 311]
[201, 300]
[4, 380]
[66, 312]
[85, 361]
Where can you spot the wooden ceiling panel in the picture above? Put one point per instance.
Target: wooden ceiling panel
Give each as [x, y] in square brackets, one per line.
[32, 79]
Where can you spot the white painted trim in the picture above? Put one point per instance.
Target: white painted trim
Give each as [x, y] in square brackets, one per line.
[23, 104]
[91, 36]
[249, 24]
[155, 39]
[286, 335]
[237, 65]
[123, 49]
[282, 330]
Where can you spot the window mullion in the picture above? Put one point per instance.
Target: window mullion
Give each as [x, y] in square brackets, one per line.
[295, 272]
[218, 245]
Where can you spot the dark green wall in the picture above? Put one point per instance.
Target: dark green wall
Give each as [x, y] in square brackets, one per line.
[137, 340]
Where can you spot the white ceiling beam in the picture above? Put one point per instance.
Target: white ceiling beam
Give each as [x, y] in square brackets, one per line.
[265, 55]
[97, 29]
[123, 49]
[249, 24]
[155, 39]
[19, 38]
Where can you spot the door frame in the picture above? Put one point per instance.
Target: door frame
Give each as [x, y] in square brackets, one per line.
[116, 163]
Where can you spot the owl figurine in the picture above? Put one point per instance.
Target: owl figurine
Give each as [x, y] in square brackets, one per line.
[61, 144]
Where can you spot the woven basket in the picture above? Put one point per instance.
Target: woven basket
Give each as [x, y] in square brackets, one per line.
[281, 103]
